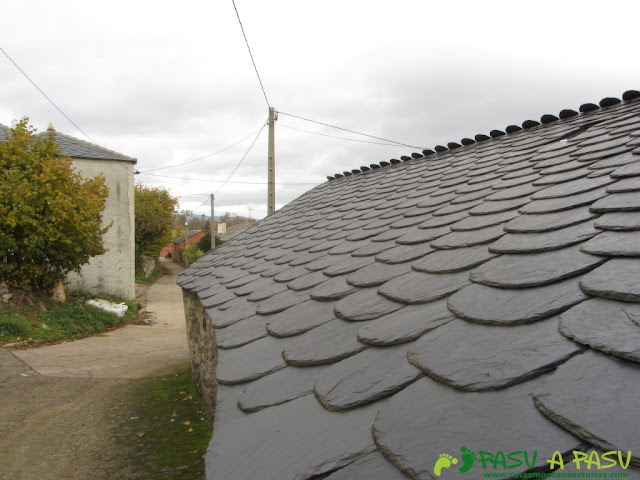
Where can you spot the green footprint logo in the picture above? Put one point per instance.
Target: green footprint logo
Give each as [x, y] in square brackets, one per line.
[444, 461]
[468, 459]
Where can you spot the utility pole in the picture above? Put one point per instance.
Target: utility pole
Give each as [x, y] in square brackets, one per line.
[271, 192]
[212, 227]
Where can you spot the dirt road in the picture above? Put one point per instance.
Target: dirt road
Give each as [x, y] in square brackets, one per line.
[62, 404]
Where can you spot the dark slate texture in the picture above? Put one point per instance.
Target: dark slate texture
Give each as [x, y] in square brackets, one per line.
[390, 321]
[601, 378]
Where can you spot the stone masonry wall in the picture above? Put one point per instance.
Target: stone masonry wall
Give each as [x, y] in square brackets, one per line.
[202, 347]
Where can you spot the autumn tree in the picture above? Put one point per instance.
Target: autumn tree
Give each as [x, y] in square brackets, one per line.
[154, 211]
[50, 216]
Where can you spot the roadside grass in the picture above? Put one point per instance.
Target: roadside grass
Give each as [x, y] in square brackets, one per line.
[38, 319]
[167, 430]
[155, 275]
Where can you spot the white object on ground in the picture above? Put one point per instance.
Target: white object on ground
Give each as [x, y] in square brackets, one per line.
[117, 308]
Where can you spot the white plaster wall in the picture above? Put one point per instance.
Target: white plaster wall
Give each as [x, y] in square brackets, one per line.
[114, 272]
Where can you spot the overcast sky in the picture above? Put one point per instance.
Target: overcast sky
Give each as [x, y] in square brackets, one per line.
[169, 82]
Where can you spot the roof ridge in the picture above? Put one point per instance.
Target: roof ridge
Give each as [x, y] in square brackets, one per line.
[584, 109]
[120, 156]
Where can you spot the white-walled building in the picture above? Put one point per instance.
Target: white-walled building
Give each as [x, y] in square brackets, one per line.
[114, 272]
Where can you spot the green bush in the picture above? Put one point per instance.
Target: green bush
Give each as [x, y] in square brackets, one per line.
[15, 325]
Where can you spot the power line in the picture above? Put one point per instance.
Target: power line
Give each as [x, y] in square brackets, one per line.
[242, 159]
[250, 54]
[45, 96]
[223, 181]
[340, 138]
[202, 158]
[350, 131]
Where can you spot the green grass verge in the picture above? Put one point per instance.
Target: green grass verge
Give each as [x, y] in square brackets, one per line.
[157, 273]
[169, 429]
[43, 320]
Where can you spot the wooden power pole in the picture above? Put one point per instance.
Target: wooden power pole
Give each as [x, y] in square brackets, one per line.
[212, 226]
[271, 191]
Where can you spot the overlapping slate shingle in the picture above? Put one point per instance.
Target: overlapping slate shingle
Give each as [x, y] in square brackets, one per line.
[437, 308]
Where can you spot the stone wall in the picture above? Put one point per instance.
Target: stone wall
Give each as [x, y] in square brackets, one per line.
[202, 348]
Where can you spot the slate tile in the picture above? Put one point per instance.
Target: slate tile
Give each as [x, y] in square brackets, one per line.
[630, 170]
[473, 357]
[305, 259]
[250, 287]
[362, 234]
[418, 235]
[572, 189]
[404, 253]
[513, 193]
[557, 204]
[607, 325]
[307, 281]
[559, 178]
[418, 287]
[390, 234]
[409, 221]
[631, 184]
[323, 263]
[476, 222]
[365, 377]
[545, 241]
[376, 274]
[240, 280]
[272, 272]
[327, 343]
[469, 238]
[267, 292]
[254, 443]
[440, 221]
[534, 269]
[603, 153]
[280, 302]
[333, 289]
[617, 279]
[406, 324]
[300, 318]
[618, 202]
[618, 221]
[278, 388]
[365, 304]
[347, 247]
[347, 265]
[549, 221]
[614, 162]
[499, 306]
[252, 361]
[373, 465]
[242, 332]
[515, 180]
[413, 440]
[373, 248]
[450, 261]
[605, 385]
[615, 244]
[563, 167]
[488, 208]
[454, 208]
[218, 299]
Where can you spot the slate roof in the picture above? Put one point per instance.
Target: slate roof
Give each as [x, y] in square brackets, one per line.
[482, 296]
[76, 148]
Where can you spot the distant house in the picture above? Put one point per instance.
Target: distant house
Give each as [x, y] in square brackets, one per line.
[193, 236]
[113, 272]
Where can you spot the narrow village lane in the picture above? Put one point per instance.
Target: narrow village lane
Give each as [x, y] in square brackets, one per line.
[61, 403]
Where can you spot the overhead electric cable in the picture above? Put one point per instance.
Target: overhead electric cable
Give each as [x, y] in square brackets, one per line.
[226, 181]
[250, 54]
[202, 158]
[45, 96]
[350, 131]
[242, 159]
[334, 136]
